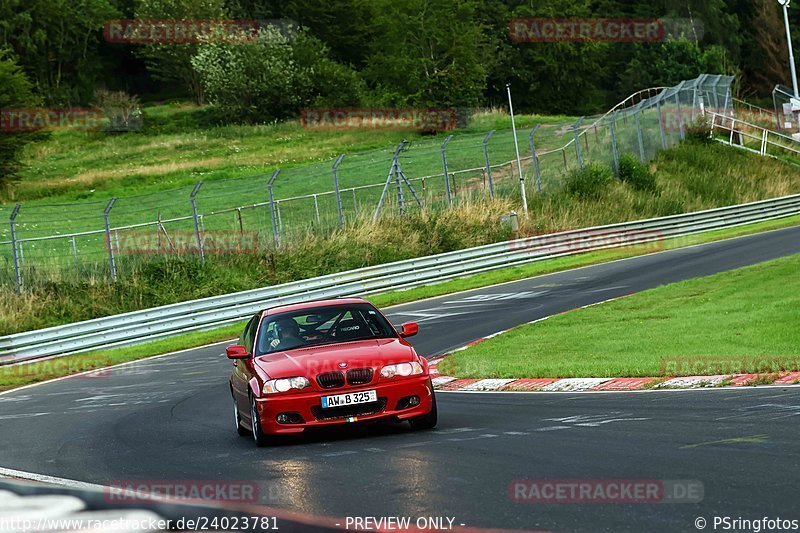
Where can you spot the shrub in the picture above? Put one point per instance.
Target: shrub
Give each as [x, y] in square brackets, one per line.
[589, 182]
[636, 174]
[699, 132]
[123, 111]
[272, 77]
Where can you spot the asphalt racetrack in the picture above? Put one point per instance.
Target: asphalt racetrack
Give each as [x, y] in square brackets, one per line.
[170, 418]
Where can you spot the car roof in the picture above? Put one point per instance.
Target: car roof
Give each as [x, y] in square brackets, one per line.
[311, 305]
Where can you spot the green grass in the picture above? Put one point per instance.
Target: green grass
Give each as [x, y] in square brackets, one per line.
[176, 149]
[13, 377]
[735, 321]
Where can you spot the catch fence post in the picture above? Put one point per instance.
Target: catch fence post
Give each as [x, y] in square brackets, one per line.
[111, 262]
[197, 233]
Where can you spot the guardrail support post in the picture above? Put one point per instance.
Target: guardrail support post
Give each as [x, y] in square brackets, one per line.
[336, 189]
[197, 233]
[661, 126]
[444, 167]
[614, 150]
[111, 262]
[275, 233]
[577, 141]
[639, 135]
[536, 157]
[14, 255]
[488, 165]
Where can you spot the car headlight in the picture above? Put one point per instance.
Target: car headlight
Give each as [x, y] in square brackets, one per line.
[285, 384]
[401, 369]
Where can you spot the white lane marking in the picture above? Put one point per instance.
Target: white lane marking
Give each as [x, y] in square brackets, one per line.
[596, 420]
[20, 474]
[22, 415]
[771, 411]
[339, 454]
[608, 421]
[479, 437]
[608, 289]
[455, 430]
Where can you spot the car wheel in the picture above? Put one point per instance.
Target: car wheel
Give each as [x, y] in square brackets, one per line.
[258, 434]
[240, 429]
[426, 421]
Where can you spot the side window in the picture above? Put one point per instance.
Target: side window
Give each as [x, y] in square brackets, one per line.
[249, 333]
[244, 331]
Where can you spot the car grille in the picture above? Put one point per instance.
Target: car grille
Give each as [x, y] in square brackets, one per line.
[346, 411]
[359, 376]
[330, 380]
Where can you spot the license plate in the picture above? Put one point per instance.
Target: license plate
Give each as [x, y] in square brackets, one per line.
[351, 398]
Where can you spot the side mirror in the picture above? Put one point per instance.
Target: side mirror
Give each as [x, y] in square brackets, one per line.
[409, 329]
[237, 351]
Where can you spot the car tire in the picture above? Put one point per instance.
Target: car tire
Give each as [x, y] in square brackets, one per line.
[426, 421]
[258, 434]
[240, 429]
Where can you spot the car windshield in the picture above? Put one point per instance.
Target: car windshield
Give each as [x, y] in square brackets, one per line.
[321, 325]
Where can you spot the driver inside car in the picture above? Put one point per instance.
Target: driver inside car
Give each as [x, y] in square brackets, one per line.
[287, 335]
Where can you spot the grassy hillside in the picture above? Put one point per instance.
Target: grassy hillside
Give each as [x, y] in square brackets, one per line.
[177, 148]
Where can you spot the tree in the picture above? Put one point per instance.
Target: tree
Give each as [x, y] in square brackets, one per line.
[272, 77]
[16, 91]
[57, 43]
[428, 53]
[171, 62]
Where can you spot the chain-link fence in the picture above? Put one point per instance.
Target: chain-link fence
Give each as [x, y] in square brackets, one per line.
[96, 238]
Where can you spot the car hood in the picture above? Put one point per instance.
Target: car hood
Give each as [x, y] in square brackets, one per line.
[315, 360]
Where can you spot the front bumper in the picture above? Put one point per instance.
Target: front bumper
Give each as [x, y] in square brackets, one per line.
[308, 405]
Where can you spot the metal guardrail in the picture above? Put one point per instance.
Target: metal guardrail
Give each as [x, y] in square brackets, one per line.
[207, 313]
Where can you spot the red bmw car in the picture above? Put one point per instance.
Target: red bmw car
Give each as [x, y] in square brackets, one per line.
[323, 363]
